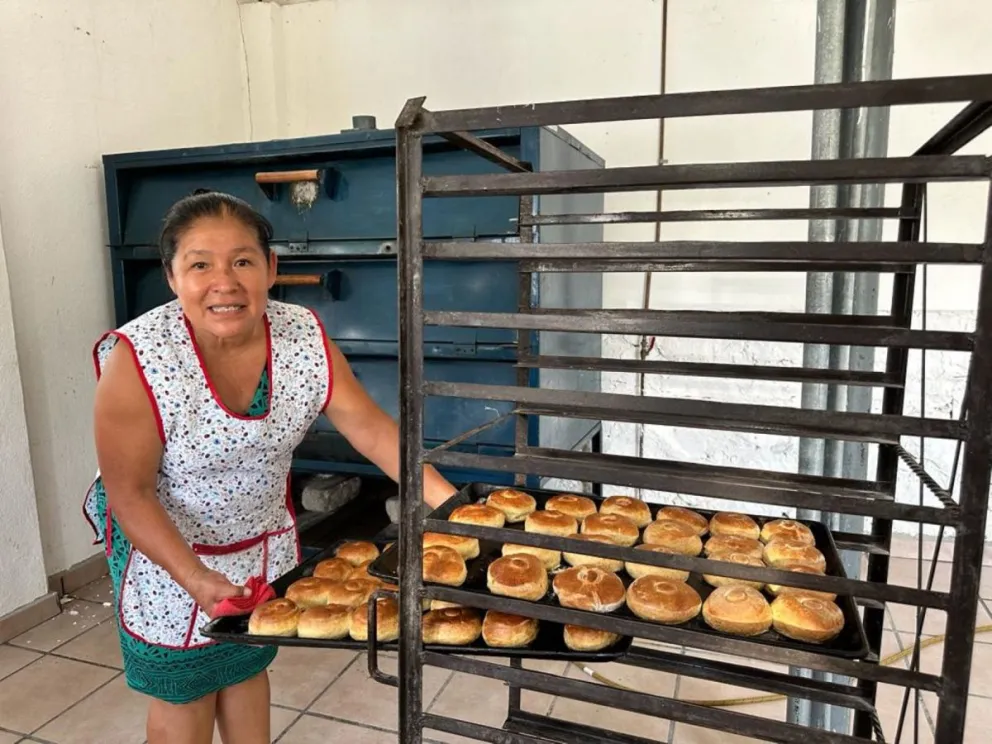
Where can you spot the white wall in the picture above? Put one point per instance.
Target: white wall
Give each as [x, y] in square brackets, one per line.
[22, 575]
[80, 78]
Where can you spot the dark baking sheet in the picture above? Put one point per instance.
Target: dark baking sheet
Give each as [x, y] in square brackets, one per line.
[852, 643]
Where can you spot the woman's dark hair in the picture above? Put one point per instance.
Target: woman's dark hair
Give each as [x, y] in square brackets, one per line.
[205, 203]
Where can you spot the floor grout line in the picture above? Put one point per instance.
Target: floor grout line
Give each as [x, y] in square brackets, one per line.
[81, 700]
[306, 710]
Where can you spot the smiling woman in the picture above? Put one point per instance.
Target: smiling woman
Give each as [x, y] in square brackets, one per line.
[199, 406]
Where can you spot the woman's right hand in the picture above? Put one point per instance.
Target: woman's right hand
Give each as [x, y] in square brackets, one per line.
[208, 587]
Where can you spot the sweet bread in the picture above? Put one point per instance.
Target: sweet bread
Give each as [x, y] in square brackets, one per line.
[780, 552]
[519, 576]
[742, 559]
[809, 619]
[444, 566]
[733, 523]
[514, 504]
[589, 588]
[637, 570]
[579, 638]
[387, 621]
[688, 517]
[467, 547]
[580, 559]
[327, 623]
[454, 626]
[478, 514]
[734, 544]
[351, 593]
[634, 509]
[357, 552]
[503, 630]
[279, 617]
[335, 569]
[738, 610]
[619, 529]
[777, 590]
[311, 591]
[578, 507]
[676, 536]
[787, 529]
[663, 600]
[550, 558]
[551, 523]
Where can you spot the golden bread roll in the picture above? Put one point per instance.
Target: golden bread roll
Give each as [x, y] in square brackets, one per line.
[387, 621]
[440, 604]
[310, 592]
[550, 558]
[519, 576]
[335, 569]
[732, 523]
[676, 536]
[357, 552]
[634, 509]
[738, 610]
[688, 517]
[361, 571]
[327, 623]
[514, 504]
[779, 552]
[454, 626]
[734, 544]
[444, 566]
[807, 618]
[787, 529]
[663, 600]
[777, 590]
[589, 588]
[637, 570]
[478, 514]
[579, 638]
[279, 617]
[580, 559]
[351, 593]
[617, 528]
[551, 523]
[578, 507]
[743, 559]
[502, 630]
[467, 547]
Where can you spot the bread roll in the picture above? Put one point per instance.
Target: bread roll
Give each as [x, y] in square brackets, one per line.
[387, 621]
[738, 610]
[357, 552]
[578, 507]
[634, 509]
[519, 576]
[334, 569]
[732, 523]
[310, 592]
[444, 566]
[637, 570]
[663, 600]
[351, 593]
[455, 626]
[588, 588]
[733, 544]
[742, 559]
[362, 572]
[777, 590]
[688, 517]
[279, 617]
[780, 552]
[514, 504]
[440, 604]
[618, 529]
[467, 547]
[502, 630]
[580, 559]
[550, 558]
[551, 523]
[807, 619]
[676, 536]
[579, 638]
[787, 529]
[327, 623]
[478, 514]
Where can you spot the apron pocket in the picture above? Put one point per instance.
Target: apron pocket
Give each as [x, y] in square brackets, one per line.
[153, 608]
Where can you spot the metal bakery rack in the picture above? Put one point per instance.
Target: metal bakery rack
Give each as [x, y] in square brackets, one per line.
[874, 499]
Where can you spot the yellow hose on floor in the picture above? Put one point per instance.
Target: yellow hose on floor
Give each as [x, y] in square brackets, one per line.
[733, 702]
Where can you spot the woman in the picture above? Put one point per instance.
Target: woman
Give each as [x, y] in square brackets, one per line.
[199, 406]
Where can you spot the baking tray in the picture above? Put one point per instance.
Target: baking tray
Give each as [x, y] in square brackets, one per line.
[852, 643]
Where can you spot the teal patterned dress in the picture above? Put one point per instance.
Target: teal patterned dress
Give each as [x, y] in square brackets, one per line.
[172, 675]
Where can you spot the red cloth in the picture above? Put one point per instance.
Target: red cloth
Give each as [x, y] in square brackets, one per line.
[260, 593]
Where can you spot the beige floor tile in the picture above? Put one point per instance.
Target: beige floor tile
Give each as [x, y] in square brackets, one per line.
[112, 715]
[904, 620]
[621, 721]
[358, 698]
[76, 618]
[314, 730]
[100, 591]
[685, 734]
[299, 675]
[978, 720]
[40, 692]
[931, 661]
[280, 719]
[985, 588]
[100, 645]
[903, 572]
[6, 738]
[13, 658]
[906, 547]
[888, 703]
[539, 702]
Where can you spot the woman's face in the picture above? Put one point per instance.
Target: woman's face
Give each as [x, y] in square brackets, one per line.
[222, 278]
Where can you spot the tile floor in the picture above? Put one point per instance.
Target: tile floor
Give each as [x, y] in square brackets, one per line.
[62, 683]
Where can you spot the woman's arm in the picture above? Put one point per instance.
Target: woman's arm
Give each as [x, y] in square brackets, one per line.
[371, 431]
[129, 451]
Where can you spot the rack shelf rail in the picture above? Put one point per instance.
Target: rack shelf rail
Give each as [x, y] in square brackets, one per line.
[935, 161]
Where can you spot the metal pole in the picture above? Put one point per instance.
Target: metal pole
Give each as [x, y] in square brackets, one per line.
[854, 43]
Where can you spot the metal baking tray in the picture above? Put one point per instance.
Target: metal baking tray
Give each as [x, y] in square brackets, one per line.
[852, 643]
